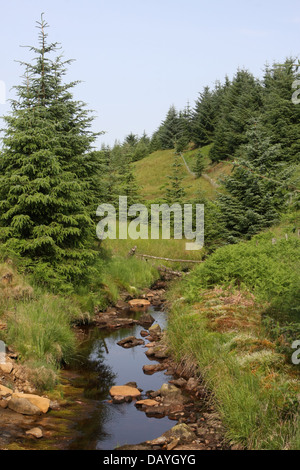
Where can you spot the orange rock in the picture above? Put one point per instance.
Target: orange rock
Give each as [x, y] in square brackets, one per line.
[139, 303]
[42, 403]
[147, 402]
[124, 391]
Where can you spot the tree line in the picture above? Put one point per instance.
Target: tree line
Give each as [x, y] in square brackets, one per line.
[52, 177]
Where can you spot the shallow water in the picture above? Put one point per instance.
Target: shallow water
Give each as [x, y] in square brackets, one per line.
[89, 421]
[100, 364]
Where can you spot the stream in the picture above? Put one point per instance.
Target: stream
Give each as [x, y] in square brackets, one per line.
[102, 363]
[83, 415]
[88, 420]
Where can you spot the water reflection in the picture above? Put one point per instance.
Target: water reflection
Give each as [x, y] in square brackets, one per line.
[102, 364]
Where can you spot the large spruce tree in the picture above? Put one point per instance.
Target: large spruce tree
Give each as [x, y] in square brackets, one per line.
[47, 172]
[240, 102]
[281, 116]
[257, 188]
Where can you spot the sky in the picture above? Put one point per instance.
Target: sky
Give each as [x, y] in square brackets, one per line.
[136, 58]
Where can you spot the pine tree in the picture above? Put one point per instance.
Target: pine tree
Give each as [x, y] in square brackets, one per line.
[169, 129]
[142, 148]
[200, 165]
[281, 116]
[241, 101]
[127, 184]
[256, 190]
[46, 167]
[205, 116]
[176, 192]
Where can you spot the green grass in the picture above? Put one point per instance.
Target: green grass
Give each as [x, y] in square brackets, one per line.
[40, 329]
[174, 249]
[39, 325]
[129, 274]
[258, 406]
[270, 271]
[234, 319]
[152, 176]
[190, 157]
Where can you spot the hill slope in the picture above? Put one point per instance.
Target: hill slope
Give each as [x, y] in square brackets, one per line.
[152, 174]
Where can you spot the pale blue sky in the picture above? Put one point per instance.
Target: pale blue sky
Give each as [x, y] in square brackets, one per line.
[136, 58]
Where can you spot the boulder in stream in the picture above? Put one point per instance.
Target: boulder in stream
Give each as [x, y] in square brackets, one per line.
[130, 342]
[155, 331]
[23, 406]
[139, 303]
[35, 432]
[152, 368]
[124, 391]
[146, 320]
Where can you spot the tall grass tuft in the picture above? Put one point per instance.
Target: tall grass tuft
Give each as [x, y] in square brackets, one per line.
[40, 330]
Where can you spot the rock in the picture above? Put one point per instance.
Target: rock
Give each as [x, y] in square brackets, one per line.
[159, 441]
[139, 303]
[4, 391]
[131, 384]
[160, 354]
[42, 403]
[159, 285]
[130, 342]
[125, 391]
[54, 405]
[170, 371]
[114, 322]
[121, 305]
[118, 400]
[151, 369]
[128, 399]
[157, 412]
[146, 319]
[146, 403]
[150, 352]
[174, 443]
[178, 382]
[153, 394]
[23, 406]
[182, 432]
[192, 384]
[3, 404]
[6, 368]
[144, 333]
[155, 330]
[36, 432]
[170, 391]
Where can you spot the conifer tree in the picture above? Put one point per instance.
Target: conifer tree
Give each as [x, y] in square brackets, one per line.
[169, 129]
[175, 191]
[204, 118]
[200, 165]
[241, 101]
[281, 116]
[256, 189]
[45, 172]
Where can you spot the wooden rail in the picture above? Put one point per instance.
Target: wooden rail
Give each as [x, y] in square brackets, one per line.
[169, 259]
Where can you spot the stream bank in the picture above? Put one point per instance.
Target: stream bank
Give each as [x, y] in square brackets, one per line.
[89, 418]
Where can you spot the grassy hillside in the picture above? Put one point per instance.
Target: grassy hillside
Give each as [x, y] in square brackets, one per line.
[152, 174]
[230, 321]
